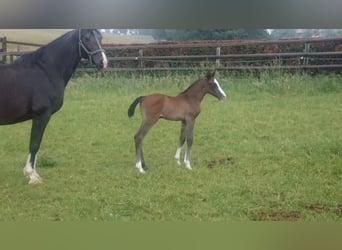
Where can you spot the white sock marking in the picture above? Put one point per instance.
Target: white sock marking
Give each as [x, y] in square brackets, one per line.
[187, 165]
[138, 165]
[30, 171]
[187, 161]
[177, 155]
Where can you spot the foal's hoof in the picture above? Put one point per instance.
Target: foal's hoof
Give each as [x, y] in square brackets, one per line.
[140, 167]
[144, 167]
[142, 171]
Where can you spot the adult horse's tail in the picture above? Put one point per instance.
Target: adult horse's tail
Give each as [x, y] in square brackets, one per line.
[133, 105]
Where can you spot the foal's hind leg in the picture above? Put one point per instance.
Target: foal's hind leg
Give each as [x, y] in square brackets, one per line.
[138, 138]
[37, 130]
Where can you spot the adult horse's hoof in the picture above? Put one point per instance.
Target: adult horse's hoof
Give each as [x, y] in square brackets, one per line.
[36, 181]
[33, 176]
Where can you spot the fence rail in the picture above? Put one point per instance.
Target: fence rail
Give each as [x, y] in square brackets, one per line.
[288, 54]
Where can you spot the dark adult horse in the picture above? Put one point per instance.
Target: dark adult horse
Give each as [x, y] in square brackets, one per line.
[33, 86]
[184, 107]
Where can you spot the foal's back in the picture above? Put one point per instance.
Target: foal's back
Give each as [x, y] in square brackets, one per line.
[158, 105]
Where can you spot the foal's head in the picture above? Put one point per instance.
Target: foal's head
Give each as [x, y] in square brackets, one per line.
[90, 47]
[214, 87]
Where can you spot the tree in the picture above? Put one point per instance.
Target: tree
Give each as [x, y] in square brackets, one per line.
[281, 33]
[208, 34]
[301, 33]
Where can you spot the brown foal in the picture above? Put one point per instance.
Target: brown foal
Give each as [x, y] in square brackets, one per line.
[184, 107]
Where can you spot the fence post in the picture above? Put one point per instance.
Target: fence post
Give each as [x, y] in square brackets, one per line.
[141, 54]
[306, 57]
[218, 53]
[4, 48]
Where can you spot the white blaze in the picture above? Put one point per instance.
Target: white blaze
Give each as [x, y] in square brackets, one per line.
[219, 88]
[105, 60]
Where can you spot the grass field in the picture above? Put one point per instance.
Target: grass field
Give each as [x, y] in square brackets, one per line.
[271, 151]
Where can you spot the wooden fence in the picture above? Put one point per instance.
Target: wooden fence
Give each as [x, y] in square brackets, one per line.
[12, 55]
[288, 54]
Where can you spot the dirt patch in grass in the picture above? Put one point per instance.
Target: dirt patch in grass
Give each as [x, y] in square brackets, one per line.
[295, 215]
[222, 161]
[276, 216]
[321, 208]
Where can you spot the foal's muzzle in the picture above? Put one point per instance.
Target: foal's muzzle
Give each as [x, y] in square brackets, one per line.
[220, 94]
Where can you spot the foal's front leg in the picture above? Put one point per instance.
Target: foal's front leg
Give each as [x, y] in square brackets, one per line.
[189, 140]
[186, 134]
[181, 142]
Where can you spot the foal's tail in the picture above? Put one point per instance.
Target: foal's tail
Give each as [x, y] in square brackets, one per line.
[133, 105]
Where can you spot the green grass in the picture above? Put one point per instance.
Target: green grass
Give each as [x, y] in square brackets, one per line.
[271, 151]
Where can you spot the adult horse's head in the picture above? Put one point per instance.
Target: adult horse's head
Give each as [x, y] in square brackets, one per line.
[90, 47]
[214, 86]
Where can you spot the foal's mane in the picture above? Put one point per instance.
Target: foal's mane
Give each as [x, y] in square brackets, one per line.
[192, 85]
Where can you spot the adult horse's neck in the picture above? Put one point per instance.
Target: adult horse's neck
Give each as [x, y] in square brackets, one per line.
[196, 91]
[59, 58]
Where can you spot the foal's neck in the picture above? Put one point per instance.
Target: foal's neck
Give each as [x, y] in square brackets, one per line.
[196, 91]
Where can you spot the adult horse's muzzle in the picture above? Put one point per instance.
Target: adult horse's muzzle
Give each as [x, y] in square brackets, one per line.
[100, 60]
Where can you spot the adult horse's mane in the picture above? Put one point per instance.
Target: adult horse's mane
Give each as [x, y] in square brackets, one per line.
[35, 56]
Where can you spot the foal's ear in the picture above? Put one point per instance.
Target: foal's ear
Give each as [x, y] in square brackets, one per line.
[211, 74]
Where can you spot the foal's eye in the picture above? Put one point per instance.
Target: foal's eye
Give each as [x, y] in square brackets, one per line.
[213, 85]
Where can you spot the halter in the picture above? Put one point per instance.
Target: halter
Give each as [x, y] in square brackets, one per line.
[89, 53]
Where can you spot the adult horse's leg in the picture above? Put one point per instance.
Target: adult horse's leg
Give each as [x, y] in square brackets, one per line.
[189, 139]
[181, 143]
[37, 131]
